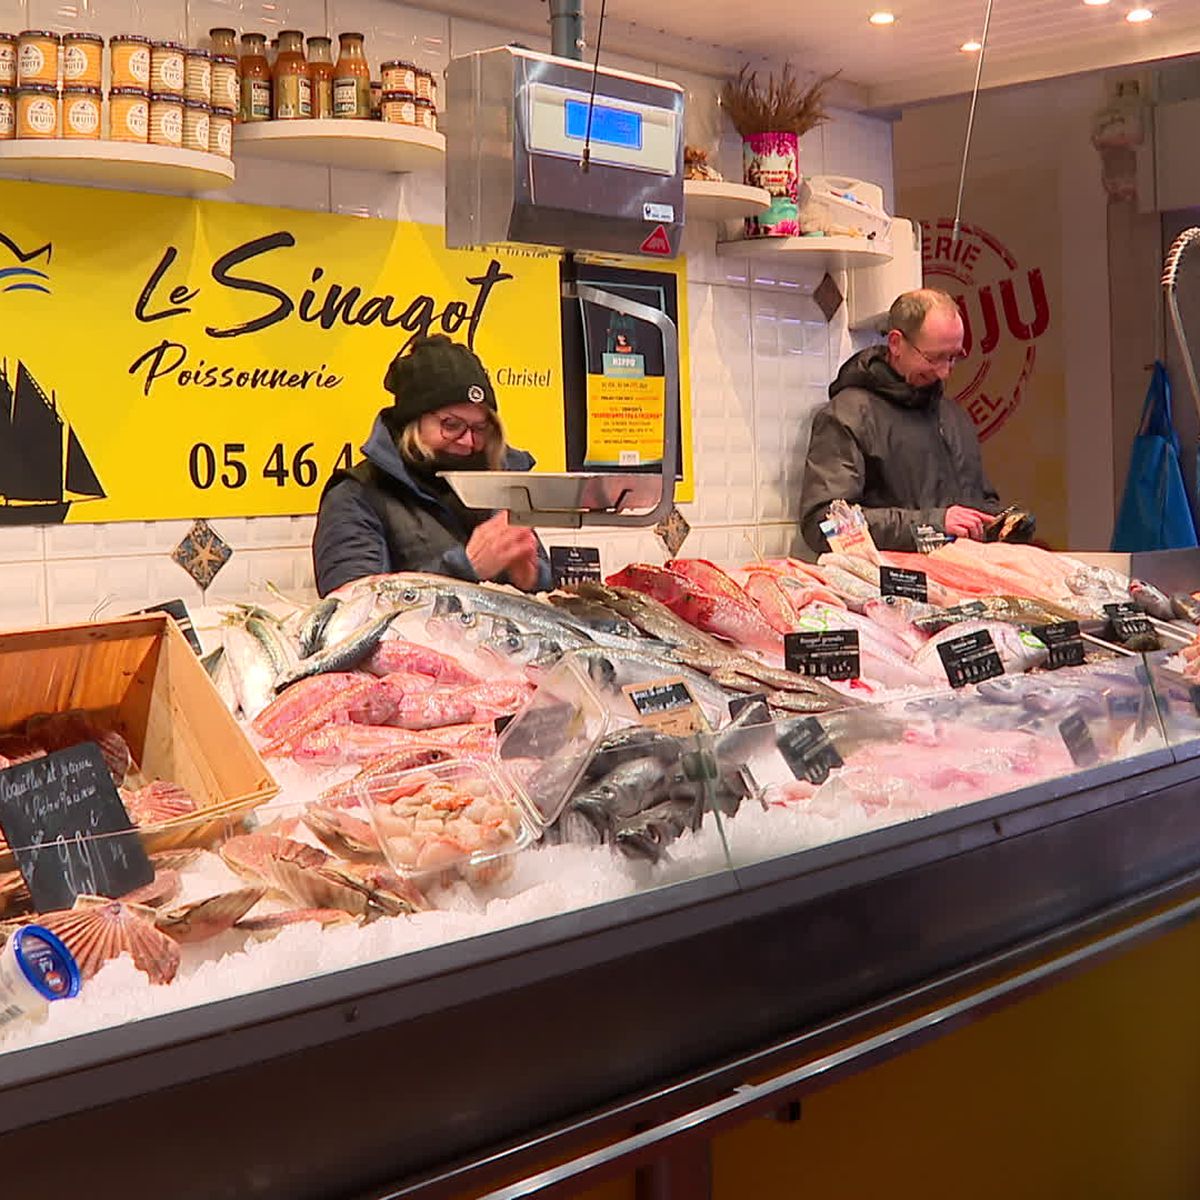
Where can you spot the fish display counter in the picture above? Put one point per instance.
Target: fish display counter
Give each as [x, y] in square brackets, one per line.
[532, 875]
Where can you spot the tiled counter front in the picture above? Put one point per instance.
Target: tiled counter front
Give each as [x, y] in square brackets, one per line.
[762, 353]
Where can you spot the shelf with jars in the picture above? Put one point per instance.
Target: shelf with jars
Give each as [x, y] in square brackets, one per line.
[331, 114]
[166, 120]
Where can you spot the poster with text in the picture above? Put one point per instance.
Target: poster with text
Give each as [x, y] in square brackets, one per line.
[164, 357]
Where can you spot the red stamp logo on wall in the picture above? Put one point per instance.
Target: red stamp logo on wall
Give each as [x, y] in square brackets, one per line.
[1005, 312]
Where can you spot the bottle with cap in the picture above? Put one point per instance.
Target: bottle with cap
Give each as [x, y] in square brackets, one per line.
[351, 79]
[320, 75]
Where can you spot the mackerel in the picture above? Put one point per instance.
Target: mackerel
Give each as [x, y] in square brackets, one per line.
[341, 656]
[314, 623]
[251, 669]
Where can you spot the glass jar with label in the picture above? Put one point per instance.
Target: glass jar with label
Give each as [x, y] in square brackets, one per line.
[37, 111]
[81, 112]
[320, 76]
[398, 76]
[8, 114]
[129, 61]
[129, 115]
[197, 77]
[255, 72]
[37, 57]
[220, 133]
[399, 108]
[292, 86]
[225, 92]
[426, 115]
[196, 120]
[223, 41]
[8, 60]
[166, 120]
[82, 59]
[351, 79]
[167, 69]
[425, 85]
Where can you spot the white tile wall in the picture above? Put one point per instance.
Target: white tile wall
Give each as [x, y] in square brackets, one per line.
[761, 352]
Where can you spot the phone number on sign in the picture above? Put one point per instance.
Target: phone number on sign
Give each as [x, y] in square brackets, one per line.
[226, 465]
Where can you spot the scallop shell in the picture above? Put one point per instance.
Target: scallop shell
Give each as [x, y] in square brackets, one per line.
[174, 860]
[346, 835]
[157, 802]
[17, 748]
[316, 887]
[14, 892]
[162, 889]
[387, 892]
[271, 923]
[253, 855]
[203, 919]
[98, 929]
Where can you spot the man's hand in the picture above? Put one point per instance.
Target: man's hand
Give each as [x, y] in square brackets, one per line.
[497, 548]
[966, 522]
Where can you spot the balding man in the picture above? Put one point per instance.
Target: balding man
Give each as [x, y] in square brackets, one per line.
[891, 441]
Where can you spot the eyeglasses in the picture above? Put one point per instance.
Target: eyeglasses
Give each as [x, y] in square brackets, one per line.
[939, 360]
[454, 427]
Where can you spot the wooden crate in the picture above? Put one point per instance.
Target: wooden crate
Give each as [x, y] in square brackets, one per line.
[139, 676]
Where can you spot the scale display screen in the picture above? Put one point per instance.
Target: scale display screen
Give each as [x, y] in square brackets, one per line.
[610, 126]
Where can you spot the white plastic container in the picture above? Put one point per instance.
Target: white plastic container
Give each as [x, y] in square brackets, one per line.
[35, 968]
[843, 207]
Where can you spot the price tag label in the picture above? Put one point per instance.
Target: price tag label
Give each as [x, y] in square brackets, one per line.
[823, 654]
[929, 539]
[666, 705]
[1077, 738]
[913, 585]
[971, 658]
[68, 829]
[1125, 621]
[574, 564]
[807, 750]
[1064, 643]
[178, 610]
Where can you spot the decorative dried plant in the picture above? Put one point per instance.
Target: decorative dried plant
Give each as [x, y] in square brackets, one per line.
[782, 107]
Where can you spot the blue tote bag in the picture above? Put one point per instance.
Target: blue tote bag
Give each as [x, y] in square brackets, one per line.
[1155, 511]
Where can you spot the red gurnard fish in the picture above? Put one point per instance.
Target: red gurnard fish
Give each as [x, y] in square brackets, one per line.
[708, 577]
[335, 710]
[300, 699]
[395, 655]
[765, 590]
[716, 614]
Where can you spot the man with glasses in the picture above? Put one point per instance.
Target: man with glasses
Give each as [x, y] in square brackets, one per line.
[891, 441]
[394, 512]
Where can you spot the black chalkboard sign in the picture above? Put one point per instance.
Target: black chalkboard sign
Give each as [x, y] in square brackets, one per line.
[807, 750]
[1077, 737]
[178, 610]
[1126, 621]
[895, 581]
[738, 705]
[824, 654]
[56, 812]
[971, 658]
[1064, 643]
[574, 564]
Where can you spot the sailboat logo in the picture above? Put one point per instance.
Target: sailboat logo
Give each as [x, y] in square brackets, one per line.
[43, 466]
[25, 278]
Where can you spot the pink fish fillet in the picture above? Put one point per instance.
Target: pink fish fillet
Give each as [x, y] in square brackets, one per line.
[395, 655]
[300, 699]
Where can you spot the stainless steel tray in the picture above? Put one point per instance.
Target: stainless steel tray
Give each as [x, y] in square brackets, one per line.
[555, 491]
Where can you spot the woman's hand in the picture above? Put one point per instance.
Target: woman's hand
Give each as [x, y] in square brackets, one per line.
[497, 548]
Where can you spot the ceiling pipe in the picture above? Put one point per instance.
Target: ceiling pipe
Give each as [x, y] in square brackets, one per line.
[566, 28]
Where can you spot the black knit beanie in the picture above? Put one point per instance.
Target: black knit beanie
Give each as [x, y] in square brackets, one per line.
[431, 374]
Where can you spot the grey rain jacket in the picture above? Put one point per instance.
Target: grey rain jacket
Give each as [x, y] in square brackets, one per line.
[379, 517]
[903, 454]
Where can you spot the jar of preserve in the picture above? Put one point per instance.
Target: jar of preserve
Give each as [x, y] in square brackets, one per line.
[424, 85]
[196, 120]
[398, 76]
[82, 59]
[37, 111]
[351, 79]
[166, 120]
[226, 95]
[81, 112]
[320, 76]
[223, 41]
[256, 78]
[8, 114]
[399, 108]
[292, 88]
[167, 73]
[8, 60]
[376, 100]
[37, 57]
[129, 60]
[426, 115]
[197, 77]
[220, 133]
[128, 115]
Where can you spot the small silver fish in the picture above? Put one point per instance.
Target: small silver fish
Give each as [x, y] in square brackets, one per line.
[341, 656]
[314, 624]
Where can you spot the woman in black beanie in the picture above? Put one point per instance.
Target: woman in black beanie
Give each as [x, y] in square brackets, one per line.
[394, 512]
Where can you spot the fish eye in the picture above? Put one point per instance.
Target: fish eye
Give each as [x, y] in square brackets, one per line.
[409, 596]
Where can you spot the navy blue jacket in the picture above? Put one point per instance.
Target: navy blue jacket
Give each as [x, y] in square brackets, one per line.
[379, 517]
